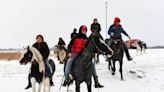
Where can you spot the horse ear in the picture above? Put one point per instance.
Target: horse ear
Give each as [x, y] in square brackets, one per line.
[28, 47]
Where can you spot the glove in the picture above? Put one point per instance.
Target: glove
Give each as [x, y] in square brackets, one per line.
[69, 55]
[112, 34]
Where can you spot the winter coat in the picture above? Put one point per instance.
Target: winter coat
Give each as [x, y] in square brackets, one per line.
[73, 34]
[77, 43]
[61, 43]
[43, 49]
[95, 27]
[115, 32]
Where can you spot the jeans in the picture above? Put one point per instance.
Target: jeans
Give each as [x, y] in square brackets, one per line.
[93, 69]
[68, 65]
[47, 68]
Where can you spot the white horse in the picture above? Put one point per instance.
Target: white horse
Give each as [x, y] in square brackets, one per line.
[38, 74]
[60, 53]
[140, 48]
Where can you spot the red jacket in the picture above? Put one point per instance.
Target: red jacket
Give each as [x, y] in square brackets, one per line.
[77, 43]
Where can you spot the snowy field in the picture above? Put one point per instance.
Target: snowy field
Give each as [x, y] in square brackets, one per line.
[147, 75]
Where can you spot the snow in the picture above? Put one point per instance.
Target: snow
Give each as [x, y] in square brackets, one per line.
[145, 75]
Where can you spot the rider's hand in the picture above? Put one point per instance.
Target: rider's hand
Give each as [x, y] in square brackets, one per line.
[69, 55]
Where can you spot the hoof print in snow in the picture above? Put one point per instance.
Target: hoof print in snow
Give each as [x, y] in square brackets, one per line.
[139, 76]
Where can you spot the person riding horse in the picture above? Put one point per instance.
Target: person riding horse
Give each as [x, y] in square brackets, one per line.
[61, 43]
[115, 31]
[74, 48]
[43, 48]
[96, 28]
[74, 33]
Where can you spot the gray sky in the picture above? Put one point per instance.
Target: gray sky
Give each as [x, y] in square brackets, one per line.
[22, 20]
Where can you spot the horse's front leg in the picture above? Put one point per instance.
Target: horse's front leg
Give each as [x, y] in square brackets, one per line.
[113, 67]
[46, 83]
[109, 64]
[39, 88]
[89, 85]
[121, 71]
[77, 86]
[33, 82]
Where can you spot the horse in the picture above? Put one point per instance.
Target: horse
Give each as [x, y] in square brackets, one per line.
[60, 53]
[140, 47]
[118, 53]
[37, 70]
[81, 68]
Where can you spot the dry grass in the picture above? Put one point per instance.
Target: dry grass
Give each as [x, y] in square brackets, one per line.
[10, 56]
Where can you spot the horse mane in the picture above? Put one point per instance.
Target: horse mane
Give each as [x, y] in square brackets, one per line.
[38, 57]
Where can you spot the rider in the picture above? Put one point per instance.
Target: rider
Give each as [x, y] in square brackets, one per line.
[74, 48]
[115, 31]
[43, 48]
[61, 43]
[74, 33]
[96, 28]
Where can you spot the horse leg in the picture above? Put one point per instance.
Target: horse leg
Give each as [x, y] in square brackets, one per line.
[113, 68]
[121, 63]
[40, 84]
[109, 65]
[89, 83]
[33, 82]
[77, 86]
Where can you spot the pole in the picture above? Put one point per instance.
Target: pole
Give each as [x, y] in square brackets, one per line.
[106, 8]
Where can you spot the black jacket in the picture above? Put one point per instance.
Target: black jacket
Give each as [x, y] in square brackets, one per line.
[61, 43]
[43, 49]
[95, 27]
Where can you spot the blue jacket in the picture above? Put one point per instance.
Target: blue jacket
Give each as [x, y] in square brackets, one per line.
[115, 32]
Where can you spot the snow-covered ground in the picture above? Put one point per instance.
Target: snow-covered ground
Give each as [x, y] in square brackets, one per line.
[146, 75]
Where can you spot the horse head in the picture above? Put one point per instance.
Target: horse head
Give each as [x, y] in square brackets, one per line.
[100, 45]
[32, 55]
[26, 57]
[117, 46]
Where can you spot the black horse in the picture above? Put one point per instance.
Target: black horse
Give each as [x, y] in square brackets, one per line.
[81, 70]
[37, 69]
[118, 53]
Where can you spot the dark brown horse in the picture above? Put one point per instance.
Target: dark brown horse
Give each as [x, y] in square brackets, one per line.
[118, 53]
[82, 65]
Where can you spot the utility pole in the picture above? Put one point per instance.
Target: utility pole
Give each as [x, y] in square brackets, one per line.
[106, 11]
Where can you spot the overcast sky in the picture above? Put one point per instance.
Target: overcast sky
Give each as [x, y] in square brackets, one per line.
[22, 20]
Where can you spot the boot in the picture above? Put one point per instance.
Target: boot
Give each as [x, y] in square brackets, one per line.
[97, 84]
[130, 58]
[51, 82]
[65, 83]
[29, 82]
[28, 86]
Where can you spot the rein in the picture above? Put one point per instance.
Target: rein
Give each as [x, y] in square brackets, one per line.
[99, 50]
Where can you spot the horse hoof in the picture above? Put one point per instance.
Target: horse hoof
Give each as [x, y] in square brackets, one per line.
[113, 73]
